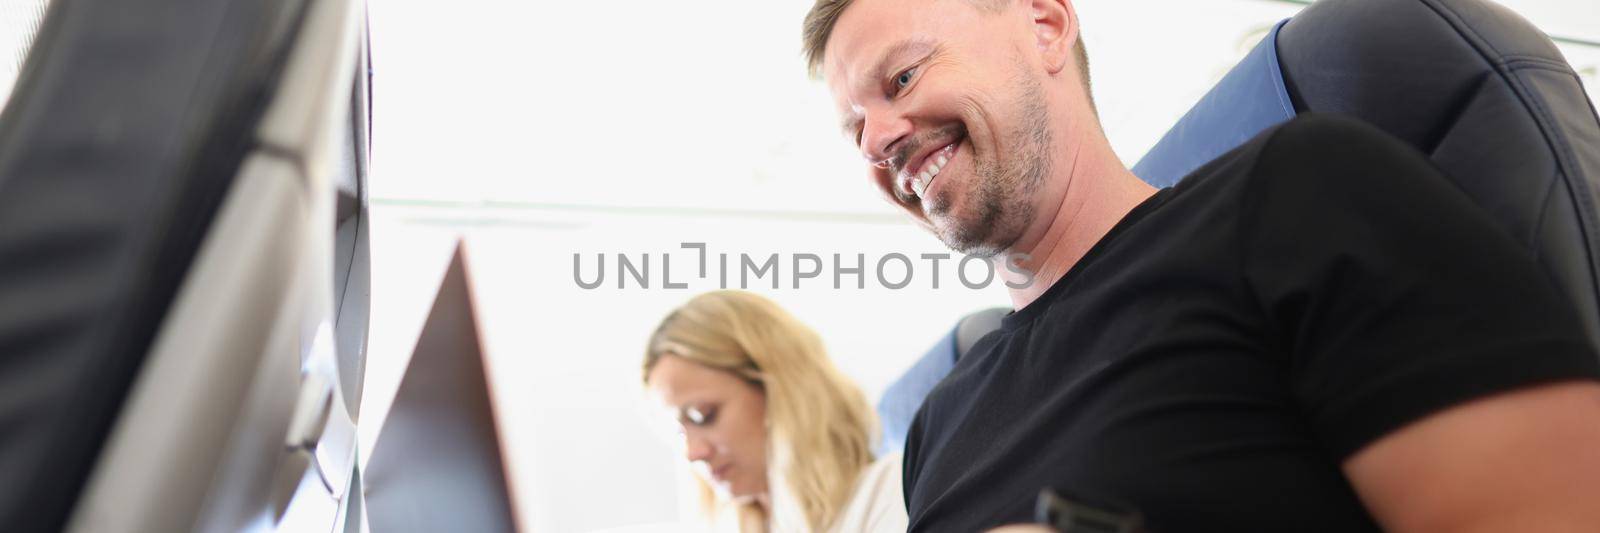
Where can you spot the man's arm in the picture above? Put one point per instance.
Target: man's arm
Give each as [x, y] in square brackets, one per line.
[1525, 460]
[1431, 353]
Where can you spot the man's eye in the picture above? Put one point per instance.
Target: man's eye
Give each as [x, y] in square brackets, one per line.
[904, 79]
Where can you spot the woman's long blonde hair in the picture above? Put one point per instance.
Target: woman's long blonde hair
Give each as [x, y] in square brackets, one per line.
[819, 425]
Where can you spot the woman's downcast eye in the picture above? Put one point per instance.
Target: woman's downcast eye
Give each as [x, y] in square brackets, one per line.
[697, 416]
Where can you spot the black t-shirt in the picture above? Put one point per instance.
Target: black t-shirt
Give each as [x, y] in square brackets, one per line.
[1225, 347]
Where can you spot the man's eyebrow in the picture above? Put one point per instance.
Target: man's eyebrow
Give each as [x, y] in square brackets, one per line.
[897, 53]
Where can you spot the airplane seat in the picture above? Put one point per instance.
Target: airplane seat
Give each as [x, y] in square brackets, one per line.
[183, 265]
[1250, 98]
[1479, 90]
[1486, 96]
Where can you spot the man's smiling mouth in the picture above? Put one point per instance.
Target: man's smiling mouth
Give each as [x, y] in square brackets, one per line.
[917, 177]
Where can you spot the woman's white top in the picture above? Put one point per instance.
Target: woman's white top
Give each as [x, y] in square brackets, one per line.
[876, 505]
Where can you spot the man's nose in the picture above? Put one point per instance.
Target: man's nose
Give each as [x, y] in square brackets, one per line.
[882, 136]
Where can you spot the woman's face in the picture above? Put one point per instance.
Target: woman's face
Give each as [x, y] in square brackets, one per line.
[723, 421]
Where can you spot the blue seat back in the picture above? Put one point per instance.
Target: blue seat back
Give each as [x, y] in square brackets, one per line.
[1248, 100]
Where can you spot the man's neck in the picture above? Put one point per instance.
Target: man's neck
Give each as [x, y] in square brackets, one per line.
[1101, 192]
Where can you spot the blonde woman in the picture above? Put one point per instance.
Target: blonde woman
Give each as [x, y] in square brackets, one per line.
[779, 438]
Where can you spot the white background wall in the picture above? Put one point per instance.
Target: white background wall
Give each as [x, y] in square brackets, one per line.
[537, 130]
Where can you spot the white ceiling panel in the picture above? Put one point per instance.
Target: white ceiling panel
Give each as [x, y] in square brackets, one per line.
[1570, 19]
[706, 105]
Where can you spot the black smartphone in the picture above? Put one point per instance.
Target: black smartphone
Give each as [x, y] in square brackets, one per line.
[1074, 516]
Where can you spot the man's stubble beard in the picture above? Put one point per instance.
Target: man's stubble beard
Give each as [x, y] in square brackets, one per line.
[1001, 195]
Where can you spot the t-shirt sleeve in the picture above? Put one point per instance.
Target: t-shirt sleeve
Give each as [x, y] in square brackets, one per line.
[1393, 295]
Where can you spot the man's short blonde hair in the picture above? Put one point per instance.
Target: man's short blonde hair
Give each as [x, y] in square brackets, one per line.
[825, 14]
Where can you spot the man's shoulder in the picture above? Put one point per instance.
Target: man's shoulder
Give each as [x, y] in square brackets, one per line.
[1318, 158]
[1324, 162]
[1330, 127]
[1313, 140]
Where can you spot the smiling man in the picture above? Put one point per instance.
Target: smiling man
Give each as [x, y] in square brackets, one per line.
[1315, 332]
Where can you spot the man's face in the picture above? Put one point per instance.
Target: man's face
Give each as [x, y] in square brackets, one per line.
[939, 98]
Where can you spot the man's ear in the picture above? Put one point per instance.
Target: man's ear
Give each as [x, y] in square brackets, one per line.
[1055, 31]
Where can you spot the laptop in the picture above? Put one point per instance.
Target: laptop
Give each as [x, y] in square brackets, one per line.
[438, 462]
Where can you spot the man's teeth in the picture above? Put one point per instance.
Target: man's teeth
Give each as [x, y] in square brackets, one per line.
[919, 183]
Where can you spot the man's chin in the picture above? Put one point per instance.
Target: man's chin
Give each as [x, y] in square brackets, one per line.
[965, 237]
[982, 250]
[980, 236]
